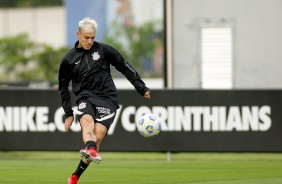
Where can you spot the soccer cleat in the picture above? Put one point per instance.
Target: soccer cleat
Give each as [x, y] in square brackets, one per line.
[73, 179]
[90, 154]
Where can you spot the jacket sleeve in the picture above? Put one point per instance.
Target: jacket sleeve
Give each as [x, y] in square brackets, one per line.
[128, 71]
[64, 80]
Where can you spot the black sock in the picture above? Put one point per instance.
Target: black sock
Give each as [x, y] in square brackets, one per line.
[80, 168]
[90, 144]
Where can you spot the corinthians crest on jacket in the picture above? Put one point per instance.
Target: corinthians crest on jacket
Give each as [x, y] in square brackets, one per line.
[95, 56]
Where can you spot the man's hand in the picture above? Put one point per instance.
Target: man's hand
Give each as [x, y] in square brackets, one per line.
[68, 123]
[147, 94]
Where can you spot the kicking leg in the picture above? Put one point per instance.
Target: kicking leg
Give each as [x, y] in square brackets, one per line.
[88, 128]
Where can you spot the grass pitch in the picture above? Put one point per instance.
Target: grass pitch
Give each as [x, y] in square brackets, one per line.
[143, 168]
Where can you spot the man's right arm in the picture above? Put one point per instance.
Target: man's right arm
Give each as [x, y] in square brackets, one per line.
[64, 80]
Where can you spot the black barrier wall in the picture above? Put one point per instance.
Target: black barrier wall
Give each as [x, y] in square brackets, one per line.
[192, 120]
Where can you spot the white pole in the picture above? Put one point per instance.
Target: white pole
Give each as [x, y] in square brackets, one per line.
[168, 156]
[169, 68]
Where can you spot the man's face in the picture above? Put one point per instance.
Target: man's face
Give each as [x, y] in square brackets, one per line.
[86, 39]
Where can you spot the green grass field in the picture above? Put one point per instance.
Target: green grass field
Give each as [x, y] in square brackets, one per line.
[152, 168]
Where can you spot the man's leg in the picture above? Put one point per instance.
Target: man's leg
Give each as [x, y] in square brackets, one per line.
[100, 132]
[90, 139]
[87, 126]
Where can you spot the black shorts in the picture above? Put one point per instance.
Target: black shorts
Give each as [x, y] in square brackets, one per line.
[102, 111]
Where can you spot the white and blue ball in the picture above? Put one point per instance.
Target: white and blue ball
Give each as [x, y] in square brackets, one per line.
[149, 125]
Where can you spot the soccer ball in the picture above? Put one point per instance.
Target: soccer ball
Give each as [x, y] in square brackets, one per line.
[148, 125]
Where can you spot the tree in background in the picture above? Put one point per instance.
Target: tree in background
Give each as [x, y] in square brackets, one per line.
[22, 60]
[29, 3]
[138, 45]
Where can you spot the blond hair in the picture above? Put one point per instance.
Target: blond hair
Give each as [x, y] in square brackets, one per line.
[87, 25]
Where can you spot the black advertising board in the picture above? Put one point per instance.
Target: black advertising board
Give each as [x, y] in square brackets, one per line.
[192, 121]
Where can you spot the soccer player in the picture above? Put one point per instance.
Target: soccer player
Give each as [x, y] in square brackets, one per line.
[87, 65]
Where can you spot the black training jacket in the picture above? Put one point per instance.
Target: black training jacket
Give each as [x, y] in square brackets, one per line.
[90, 73]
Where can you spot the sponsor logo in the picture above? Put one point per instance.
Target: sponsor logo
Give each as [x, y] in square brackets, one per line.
[77, 62]
[199, 118]
[104, 111]
[172, 118]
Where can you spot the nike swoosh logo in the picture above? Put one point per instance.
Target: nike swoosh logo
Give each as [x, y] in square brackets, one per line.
[77, 62]
[106, 117]
[82, 168]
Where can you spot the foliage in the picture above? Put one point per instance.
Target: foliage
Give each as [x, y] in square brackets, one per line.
[49, 60]
[22, 60]
[136, 44]
[29, 3]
